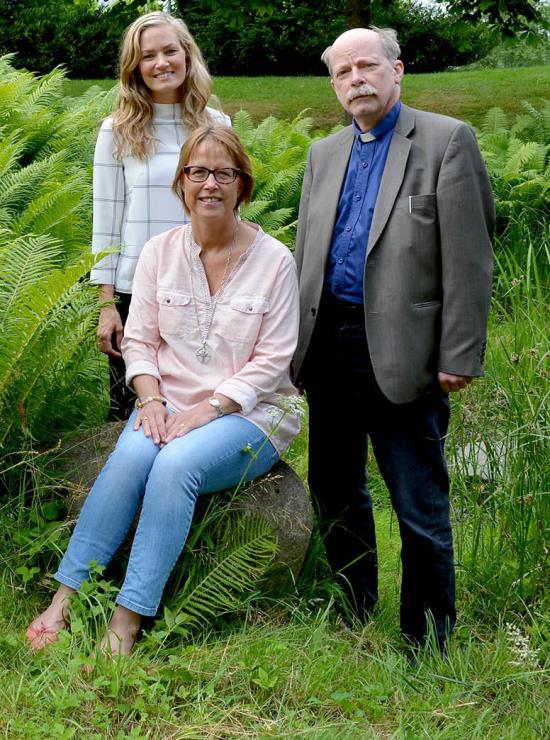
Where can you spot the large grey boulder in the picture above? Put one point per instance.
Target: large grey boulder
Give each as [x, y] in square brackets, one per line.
[279, 497]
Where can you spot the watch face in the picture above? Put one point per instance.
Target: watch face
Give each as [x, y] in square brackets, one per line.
[217, 405]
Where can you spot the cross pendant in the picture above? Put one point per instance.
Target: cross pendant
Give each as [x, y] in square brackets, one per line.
[202, 353]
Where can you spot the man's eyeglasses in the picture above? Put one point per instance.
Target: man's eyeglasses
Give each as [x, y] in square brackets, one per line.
[223, 176]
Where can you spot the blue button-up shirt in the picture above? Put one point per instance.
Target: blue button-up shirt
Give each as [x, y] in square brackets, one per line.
[346, 262]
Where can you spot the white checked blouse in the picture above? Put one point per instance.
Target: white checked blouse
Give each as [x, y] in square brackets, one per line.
[132, 199]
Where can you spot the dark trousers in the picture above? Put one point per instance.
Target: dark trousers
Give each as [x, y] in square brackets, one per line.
[122, 398]
[347, 407]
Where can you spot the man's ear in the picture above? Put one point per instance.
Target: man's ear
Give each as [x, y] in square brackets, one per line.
[398, 70]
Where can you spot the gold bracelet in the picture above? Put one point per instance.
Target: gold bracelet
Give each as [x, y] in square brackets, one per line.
[141, 404]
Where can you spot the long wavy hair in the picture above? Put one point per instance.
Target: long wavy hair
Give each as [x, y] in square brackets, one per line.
[133, 114]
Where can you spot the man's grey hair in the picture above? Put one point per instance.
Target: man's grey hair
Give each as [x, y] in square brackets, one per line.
[388, 41]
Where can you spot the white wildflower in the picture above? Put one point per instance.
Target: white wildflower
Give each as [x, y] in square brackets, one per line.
[520, 647]
[276, 416]
[292, 404]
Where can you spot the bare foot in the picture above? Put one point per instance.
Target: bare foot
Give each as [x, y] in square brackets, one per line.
[122, 632]
[45, 629]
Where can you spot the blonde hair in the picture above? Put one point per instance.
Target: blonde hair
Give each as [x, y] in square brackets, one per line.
[133, 114]
[230, 141]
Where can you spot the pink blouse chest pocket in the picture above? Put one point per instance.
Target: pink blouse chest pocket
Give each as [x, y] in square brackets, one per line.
[243, 317]
[175, 312]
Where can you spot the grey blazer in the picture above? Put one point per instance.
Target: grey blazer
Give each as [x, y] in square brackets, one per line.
[427, 278]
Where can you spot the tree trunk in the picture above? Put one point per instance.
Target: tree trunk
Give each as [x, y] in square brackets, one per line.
[358, 13]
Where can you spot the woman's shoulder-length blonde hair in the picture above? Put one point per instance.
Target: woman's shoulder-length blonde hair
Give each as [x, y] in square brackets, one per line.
[133, 114]
[228, 139]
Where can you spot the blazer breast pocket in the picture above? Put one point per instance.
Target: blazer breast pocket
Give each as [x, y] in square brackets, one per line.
[421, 206]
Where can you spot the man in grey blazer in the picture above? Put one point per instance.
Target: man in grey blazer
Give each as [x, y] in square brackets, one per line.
[395, 262]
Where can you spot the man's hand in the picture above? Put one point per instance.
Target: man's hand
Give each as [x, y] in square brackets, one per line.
[449, 382]
[109, 328]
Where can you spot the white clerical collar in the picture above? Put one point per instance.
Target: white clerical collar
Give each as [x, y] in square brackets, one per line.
[366, 136]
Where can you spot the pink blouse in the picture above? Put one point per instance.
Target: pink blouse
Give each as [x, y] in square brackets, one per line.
[251, 340]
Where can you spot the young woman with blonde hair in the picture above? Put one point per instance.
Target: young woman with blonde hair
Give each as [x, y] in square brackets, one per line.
[164, 89]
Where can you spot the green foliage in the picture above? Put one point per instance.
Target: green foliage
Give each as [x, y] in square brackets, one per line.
[513, 53]
[518, 161]
[47, 312]
[278, 151]
[289, 38]
[430, 39]
[508, 18]
[237, 37]
[500, 441]
[83, 36]
[225, 557]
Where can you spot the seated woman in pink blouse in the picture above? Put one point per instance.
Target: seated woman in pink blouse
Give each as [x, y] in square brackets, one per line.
[211, 331]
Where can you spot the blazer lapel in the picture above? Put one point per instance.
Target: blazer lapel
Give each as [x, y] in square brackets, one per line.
[394, 171]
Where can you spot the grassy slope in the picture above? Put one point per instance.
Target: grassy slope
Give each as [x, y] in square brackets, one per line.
[466, 95]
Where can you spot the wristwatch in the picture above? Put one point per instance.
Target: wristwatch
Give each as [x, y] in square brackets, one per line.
[216, 405]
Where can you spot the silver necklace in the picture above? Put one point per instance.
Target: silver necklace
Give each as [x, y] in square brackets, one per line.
[203, 353]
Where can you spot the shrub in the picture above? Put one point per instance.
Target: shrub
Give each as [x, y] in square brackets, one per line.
[517, 157]
[48, 365]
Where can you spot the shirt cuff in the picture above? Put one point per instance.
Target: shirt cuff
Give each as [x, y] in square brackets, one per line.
[241, 393]
[102, 275]
[141, 367]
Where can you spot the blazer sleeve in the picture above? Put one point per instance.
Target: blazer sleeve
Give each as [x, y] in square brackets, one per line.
[303, 213]
[466, 216]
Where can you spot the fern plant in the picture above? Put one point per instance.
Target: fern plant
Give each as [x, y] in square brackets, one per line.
[518, 161]
[278, 151]
[47, 310]
[225, 563]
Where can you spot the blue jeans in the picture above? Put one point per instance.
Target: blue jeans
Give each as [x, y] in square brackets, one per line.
[346, 408]
[167, 481]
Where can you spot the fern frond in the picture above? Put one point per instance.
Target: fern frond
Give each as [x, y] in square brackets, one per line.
[254, 211]
[19, 187]
[46, 92]
[520, 154]
[38, 306]
[23, 262]
[274, 220]
[494, 121]
[58, 203]
[12, 147]
[243, 125]
[239, 561]
[67, 334]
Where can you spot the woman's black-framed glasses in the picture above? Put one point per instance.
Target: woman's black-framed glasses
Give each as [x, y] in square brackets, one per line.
[223, 176]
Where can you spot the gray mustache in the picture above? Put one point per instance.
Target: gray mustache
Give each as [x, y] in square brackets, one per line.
[364, 89]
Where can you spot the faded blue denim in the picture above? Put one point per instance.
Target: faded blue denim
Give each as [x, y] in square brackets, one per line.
[167, 482]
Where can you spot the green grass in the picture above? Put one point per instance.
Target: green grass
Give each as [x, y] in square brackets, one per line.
[465, 95]
[281, 671]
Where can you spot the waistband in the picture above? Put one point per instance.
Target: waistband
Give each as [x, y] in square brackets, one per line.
[337, 309]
